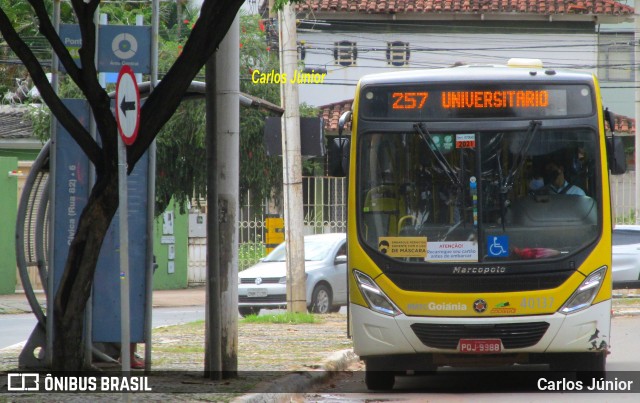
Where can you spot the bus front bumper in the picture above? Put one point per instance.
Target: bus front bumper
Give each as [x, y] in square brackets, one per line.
[375, 334]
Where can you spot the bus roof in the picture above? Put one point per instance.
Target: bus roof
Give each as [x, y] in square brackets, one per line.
[477, 73]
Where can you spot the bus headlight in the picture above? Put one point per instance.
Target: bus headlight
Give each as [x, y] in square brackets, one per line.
[376, 299]
[585, 294]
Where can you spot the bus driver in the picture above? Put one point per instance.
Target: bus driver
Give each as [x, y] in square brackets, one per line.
[556, 183]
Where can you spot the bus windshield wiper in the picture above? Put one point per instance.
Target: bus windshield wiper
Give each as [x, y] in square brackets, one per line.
[507, 184]
[431, 145]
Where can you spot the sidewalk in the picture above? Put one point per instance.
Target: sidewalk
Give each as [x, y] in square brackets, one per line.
[266, 358]
[282, 359]
[193, 296]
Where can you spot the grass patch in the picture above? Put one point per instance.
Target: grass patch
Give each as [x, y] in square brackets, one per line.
[626, 301]
[286, 317]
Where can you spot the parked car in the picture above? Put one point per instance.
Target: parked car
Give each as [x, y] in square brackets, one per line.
[626, 253]
[264, 284]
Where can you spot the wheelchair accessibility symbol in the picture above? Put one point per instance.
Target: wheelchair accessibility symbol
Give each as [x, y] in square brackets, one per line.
[498, 246]
[124, 46]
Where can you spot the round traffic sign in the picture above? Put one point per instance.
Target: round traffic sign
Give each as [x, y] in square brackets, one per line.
[127, 105]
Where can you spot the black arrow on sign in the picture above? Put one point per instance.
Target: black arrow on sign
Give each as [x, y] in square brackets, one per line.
[127, 106]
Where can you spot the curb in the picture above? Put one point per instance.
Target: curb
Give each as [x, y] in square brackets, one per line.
[633, 312]
[287, 387]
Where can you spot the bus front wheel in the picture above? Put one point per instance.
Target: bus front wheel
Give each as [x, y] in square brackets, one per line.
[593, 362]
[379, 380]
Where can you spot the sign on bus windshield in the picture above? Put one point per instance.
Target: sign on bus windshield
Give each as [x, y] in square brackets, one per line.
[442, 102]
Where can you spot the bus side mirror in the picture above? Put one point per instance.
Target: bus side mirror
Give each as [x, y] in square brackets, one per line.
[339, 163]
[615, 155]
[615, 149]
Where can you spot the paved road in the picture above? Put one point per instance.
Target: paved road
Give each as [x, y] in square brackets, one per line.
[17, 328]
[494, 387]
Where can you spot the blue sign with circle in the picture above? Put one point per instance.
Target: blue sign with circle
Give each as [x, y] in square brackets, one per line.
[118, 45]
[121, 45]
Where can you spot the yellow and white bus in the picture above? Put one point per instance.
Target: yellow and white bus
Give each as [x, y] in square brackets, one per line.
[479, 219]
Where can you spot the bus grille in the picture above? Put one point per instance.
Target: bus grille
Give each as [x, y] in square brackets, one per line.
[261, 300]
[513, 335]
[498, 283]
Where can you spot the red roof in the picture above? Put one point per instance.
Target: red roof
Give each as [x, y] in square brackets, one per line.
[625, 124]
[544, 7]
[332, 112]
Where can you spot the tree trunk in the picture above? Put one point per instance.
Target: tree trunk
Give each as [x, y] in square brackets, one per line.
[77, 279]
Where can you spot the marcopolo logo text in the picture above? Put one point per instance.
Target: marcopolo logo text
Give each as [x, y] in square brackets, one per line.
[479, 270]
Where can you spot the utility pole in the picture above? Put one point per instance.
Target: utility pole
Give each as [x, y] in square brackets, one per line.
[223, 186]
[228, 172]
[636, 45]
[292, 163]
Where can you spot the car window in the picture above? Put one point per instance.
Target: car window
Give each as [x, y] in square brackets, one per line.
[277, 255]
[315, 249]
[342, 250]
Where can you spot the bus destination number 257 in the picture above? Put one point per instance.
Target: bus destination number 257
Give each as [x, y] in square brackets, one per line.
[409, 100]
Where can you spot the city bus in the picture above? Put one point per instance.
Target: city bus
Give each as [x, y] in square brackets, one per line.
[479, 219]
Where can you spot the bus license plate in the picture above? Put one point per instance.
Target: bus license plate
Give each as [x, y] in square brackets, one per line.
[480, 346]
[256, 292]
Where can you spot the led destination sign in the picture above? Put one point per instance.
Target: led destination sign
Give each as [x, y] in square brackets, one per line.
[495, 99]
[423, 102]
[474, 99]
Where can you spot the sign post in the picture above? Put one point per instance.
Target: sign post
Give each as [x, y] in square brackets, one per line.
[128, 119]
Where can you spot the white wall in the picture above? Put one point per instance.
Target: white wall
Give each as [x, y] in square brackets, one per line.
[432, 51]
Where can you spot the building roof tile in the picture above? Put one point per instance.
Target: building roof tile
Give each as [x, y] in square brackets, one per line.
[544, 7]
[14, 123]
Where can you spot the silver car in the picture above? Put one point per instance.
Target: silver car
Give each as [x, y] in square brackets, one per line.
[264, 285]
[626, 253]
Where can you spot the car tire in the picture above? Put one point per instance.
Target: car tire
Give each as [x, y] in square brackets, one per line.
[248, 310]
[335, 308]
[321, 299]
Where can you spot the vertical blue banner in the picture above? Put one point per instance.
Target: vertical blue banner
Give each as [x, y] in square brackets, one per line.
[72, 189]
[106, 299]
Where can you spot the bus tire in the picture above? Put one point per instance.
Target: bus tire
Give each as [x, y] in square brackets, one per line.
[321, 299]
[588, 363]
[595, 363]
[379, 380]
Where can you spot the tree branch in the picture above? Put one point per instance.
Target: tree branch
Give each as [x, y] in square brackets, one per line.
[216, 16]
[47, 29]
[66, 118]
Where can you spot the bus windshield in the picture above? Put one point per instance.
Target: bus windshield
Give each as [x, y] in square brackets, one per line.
[484, 196]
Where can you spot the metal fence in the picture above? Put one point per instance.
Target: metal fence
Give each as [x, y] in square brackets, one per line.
[623, 198]
[325, 211]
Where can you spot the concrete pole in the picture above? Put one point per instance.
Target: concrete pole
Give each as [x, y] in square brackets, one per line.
[213, 325]
[292, 163]
[228, 172]
[636, 18]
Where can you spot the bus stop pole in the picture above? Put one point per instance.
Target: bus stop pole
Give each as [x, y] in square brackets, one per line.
[125, 337]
